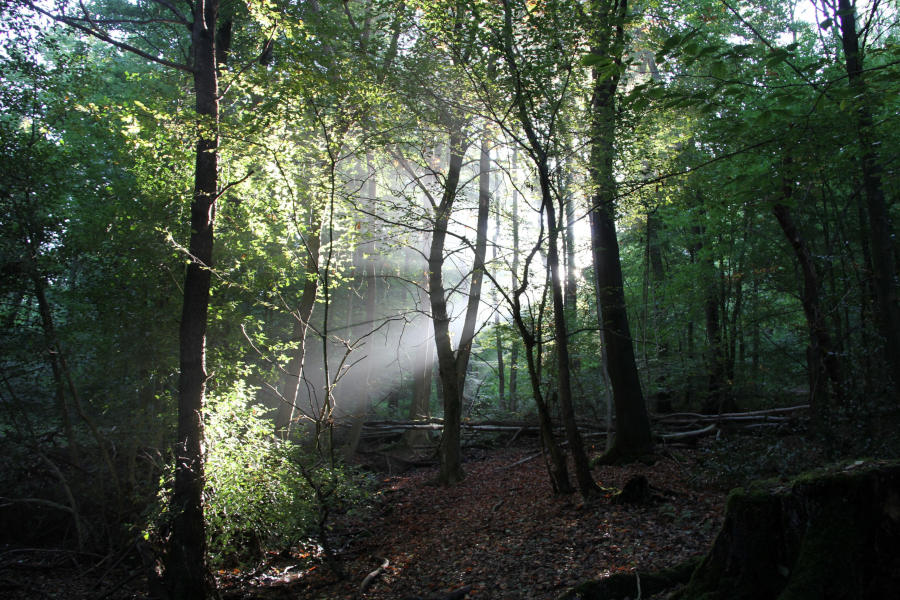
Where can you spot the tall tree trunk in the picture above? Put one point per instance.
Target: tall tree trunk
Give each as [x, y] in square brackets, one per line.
[467, 336]
[556, 466]
[571, 290]
[715, 392]
[63, 376]
[501, 371]
[420, 406]
[187, 575]
[586, 484]
[632, 421]
[537, 149]
[53, 353]
[449, 452]
[288, 408]
[514, 350]
[714, 397]
[880, 230]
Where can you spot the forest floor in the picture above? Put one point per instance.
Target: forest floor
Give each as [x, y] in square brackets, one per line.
[502, 534]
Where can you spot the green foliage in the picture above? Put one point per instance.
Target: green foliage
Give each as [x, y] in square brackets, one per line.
[261, 493]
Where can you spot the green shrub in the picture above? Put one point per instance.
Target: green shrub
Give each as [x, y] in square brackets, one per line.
[261, 492]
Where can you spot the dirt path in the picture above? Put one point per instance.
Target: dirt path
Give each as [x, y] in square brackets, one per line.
[502, 534]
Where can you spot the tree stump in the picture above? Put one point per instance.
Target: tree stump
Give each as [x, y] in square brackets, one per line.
[636, 491]
[828, 535]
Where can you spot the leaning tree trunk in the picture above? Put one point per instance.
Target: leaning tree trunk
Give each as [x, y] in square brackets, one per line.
[187, 575]
[632, 421]
[822, 363]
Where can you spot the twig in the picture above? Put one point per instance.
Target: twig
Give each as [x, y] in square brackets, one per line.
[519, 462]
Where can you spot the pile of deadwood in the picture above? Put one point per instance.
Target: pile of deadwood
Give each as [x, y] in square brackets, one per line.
[672, 428]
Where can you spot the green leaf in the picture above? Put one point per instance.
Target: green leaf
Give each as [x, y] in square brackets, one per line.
[592, 60]
[671, 43]
[826, 23]
[777, 57]
[718, 69]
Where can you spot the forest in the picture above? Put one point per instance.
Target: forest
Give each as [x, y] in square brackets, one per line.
[449, 299]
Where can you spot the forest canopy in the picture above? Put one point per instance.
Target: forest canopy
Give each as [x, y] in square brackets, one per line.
[236, 234]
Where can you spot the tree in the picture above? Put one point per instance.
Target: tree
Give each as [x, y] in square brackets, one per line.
[607, 48]
[881, 235]
[537, 109]
[186, 572]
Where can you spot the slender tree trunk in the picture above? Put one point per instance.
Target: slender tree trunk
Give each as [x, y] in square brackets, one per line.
[586, 484]
[420, 407]
[451, 471]
[556, 466]
[187, 575]
[538, 152]
[467, 336]
[571, 290]
[501, 371]
[63, 376]
[514, 350]
[880, 229]
[53, 352]
[289, 406]
[632, 421]
[715, 392]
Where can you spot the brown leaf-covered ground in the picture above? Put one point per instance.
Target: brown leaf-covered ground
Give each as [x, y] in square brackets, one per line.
[502, 534]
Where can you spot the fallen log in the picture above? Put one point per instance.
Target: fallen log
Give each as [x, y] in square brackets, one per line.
[731, 415]
[694, 433]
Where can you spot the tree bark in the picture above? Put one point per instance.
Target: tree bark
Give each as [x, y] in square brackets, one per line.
[501, 370]
[586, 484]
[471, 319]
[632, 421]
[514, 350]
[187, 574]
[880, 229]
[450, 456]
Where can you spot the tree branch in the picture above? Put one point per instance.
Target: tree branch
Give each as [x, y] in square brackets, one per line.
[102, 35]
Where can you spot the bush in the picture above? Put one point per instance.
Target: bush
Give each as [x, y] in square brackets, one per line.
[262, 493]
